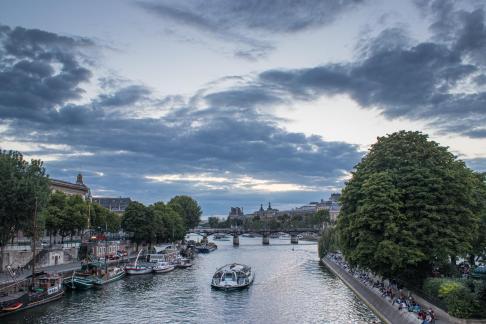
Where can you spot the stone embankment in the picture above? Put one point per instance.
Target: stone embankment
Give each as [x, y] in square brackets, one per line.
[383, 308]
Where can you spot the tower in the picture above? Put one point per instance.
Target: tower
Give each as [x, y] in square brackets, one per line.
[79, 179]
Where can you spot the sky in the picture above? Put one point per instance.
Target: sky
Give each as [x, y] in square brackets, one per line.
[236, 103]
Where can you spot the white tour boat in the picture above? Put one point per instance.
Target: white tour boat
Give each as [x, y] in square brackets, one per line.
[233, 276]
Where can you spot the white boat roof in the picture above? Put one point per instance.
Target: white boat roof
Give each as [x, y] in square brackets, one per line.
[234, 267]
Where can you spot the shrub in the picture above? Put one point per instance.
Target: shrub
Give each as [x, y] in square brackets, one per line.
[460, 302]
[458, 298]
[431, 286]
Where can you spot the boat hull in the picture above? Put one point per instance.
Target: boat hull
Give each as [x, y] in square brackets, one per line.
[81, 283]
[135, 271]
[205, 249]
[226, 288]
[33, 303]
[100, 282]
[235, 287]
[169, 269]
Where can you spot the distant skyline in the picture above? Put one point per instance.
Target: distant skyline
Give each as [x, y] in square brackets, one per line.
[235, 103]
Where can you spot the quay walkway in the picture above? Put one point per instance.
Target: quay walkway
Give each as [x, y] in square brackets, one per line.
[380, 306]
[383, 307]
[63, 269]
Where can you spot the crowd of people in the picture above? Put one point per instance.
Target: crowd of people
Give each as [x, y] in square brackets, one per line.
[387, 289]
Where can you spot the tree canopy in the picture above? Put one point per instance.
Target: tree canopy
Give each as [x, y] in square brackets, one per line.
[188, 209]
[138, 221]
[410, 205]
[157, 223]
[23, 185]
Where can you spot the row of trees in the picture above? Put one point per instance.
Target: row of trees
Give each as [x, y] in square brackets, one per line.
[24, 189]
[161, 222]
[71, 215]
[275, 223]
[411, 207]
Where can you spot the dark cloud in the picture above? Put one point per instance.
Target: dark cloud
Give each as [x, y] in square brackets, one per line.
[222, 145]
[39, 72]
[423, 81]
[283, 16]
[128, 95]
[233, 21]
[243, 97]
[224, 135]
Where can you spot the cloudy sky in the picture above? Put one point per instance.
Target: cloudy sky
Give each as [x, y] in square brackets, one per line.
[235, 103]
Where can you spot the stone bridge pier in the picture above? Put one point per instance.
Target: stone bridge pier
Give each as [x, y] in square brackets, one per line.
[236, 239]
[294, 239]
[266, 238]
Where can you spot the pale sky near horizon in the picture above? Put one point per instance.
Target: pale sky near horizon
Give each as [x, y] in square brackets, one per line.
[235, 103]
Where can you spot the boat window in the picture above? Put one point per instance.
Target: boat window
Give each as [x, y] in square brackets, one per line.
[229, 276]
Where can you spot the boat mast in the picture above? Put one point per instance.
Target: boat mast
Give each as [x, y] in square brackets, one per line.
[136, 260]
[33, 242]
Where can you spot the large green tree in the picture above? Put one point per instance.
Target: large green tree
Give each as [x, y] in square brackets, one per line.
[139, 221]
[169, 224]
[408, 206]
[188, 208]
[73, 218]
[23, 186]
[104, 219]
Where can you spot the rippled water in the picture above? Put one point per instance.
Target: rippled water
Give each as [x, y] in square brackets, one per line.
[290, 287]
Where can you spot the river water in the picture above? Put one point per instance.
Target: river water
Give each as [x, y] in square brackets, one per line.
[290, 287]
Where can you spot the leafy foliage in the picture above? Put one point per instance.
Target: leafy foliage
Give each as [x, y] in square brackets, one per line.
[459, 299]
[408, 206]
[154, 224]
[104, 219]
[188, 209]
[23, 185]
[169, 224]
[328, 242]
[139, 220]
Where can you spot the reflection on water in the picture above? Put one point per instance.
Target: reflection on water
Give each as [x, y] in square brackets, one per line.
[290, 286]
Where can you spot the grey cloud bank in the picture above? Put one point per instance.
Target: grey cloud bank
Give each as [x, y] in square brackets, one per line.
[223, 144]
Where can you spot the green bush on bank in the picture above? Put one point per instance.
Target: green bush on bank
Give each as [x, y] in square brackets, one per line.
[461, 302]
[328, 242]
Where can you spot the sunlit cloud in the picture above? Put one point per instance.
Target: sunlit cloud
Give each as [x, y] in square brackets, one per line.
[230, 182]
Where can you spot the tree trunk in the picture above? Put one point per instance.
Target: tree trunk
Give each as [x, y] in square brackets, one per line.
[453, 260]
[472, 260]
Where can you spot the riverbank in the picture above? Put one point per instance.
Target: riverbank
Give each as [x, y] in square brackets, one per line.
[63, 269]
[380, 306]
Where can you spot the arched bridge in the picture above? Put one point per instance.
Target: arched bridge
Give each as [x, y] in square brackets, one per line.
[265, 233]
